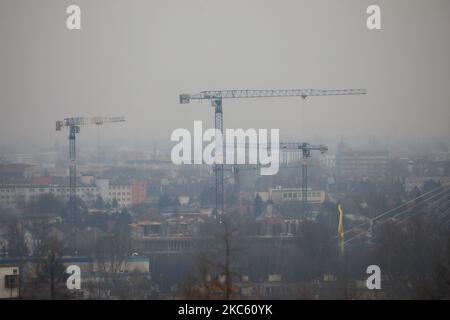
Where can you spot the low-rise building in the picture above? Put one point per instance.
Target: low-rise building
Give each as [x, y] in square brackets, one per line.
[9, 281]
[139, 190]
[11, 195]
[120, 193]
[362, 163]
[125, 194]
[280, 195]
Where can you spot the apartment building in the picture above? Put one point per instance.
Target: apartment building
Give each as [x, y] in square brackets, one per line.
[11, 195]
[280, 195]
[121, 194]
[125, 194]
[362, 163]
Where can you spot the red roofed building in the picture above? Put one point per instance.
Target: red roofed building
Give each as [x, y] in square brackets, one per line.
[138, 191]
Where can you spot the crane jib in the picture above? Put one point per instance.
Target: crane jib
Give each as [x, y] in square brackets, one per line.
[241, 94]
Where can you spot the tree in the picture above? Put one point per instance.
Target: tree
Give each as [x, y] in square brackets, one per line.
[124, 218]
[134, 285]
[315, 250]
[220, 257]
[47, 203]
[166, 201]
[17, 246]
[99, 203]
[415, 258]
[258, 206]
[111, 254]
[207, 196]
[115, 204]
[50, 269]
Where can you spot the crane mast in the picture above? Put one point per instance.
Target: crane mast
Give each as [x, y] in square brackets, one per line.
[306, 149]
[216, 97]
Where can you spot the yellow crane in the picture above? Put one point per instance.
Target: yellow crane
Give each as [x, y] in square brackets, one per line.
[341, 231]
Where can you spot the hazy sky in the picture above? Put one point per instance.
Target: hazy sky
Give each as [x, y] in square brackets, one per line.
[133, 58]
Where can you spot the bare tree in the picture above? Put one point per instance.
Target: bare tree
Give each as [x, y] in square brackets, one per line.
[49, 270]
[415, 258]
[111, 255]
[218, 260]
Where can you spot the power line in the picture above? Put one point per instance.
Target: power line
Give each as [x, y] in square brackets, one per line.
[396, 208]
[400, 213]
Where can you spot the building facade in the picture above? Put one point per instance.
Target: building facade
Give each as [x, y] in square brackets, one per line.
[139, 191]
[362, 163]
[9, 281]
[11, 195]
[121, 194]
[280, 195]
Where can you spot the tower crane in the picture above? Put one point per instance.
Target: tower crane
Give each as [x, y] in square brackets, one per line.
[73, 125]
[305, 148]
[216, 97]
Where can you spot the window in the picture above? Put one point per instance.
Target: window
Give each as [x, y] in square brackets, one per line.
[12, 280]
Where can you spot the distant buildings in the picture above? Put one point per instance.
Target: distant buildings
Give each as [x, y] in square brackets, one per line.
[327, 160]
[124, 194]
[15, 173]
[280, 195]
[18, 194]
[120, 193]
[413, 182]
[9, 281]
[362, 163]
[139, 191]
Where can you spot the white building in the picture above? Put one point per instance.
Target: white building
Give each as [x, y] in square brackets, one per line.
[11, 195]
[328, 160]
[9, 282]
[279, 195]
[120, 193]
